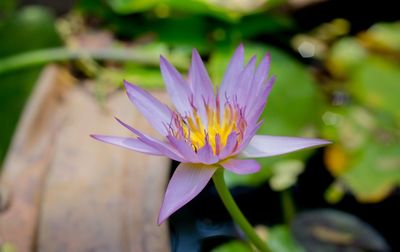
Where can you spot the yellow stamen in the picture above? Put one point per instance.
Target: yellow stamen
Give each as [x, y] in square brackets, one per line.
[196, 132]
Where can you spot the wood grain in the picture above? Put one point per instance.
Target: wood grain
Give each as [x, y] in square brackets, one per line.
[72, 193]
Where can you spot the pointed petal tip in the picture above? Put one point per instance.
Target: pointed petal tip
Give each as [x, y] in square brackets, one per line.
[271, 81]
[165, 66]
[161, 219]
[267, 58]
[133, 130]
[164, 63]
[162, 58]
[186, 183]
[240, 50]
[119, 120]
[325, 142]
[163, 215]
[196, 58]
[253, 59]
[129, 87]
[101, 138]
[93, 136]
[127, 84]
[267, 146]
[195, 52]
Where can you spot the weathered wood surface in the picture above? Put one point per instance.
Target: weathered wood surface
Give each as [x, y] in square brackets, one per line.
[63, 191]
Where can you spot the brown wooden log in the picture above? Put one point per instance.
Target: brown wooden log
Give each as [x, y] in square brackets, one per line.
[69, 192]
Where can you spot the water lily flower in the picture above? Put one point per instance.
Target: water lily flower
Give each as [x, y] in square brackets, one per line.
[210, 128]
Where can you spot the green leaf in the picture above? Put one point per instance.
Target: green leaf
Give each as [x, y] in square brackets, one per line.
[376, 84]
[345, 56]
[365, 157]
[187, 31]
[280, 240]
[30, 28]
[7, 7]
[231, 11]
[236, 246]
[260, 24]
[195, 7]
[131, 6]
[375, 172]
[385, 36]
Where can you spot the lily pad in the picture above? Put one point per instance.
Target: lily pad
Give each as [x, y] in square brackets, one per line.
[330, 230]
[365, 158]
[281, 240]
[345, 55]
[375, 173]
[376, 84]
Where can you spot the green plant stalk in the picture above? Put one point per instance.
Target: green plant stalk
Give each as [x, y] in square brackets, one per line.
[44, 56]
[288, 207]
[235, 212]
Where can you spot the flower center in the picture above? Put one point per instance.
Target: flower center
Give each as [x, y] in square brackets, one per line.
[214, 129]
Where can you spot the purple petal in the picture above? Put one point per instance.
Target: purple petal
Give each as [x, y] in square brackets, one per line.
[130, 128]
[201, 84]
[206, 154]
[235, 67]
[257, 105]
[186, 183]
[183, 148]
[229, 146]
[262, 73]
[266, 146]
[178, 89]
[248, 136]
[158, 114]
[245, 81]
[164, 148]
[129, 143]
[241, 166]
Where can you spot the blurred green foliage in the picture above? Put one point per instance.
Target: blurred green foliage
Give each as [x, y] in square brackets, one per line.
[365, 158]
[28, 29]
[279, 240]
[230, 11]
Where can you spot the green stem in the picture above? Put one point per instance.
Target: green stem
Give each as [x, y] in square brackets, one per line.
[44, 56]
[288, 206]
[235, 212]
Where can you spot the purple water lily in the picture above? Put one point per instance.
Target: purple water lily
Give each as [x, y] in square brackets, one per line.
[207, 130]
